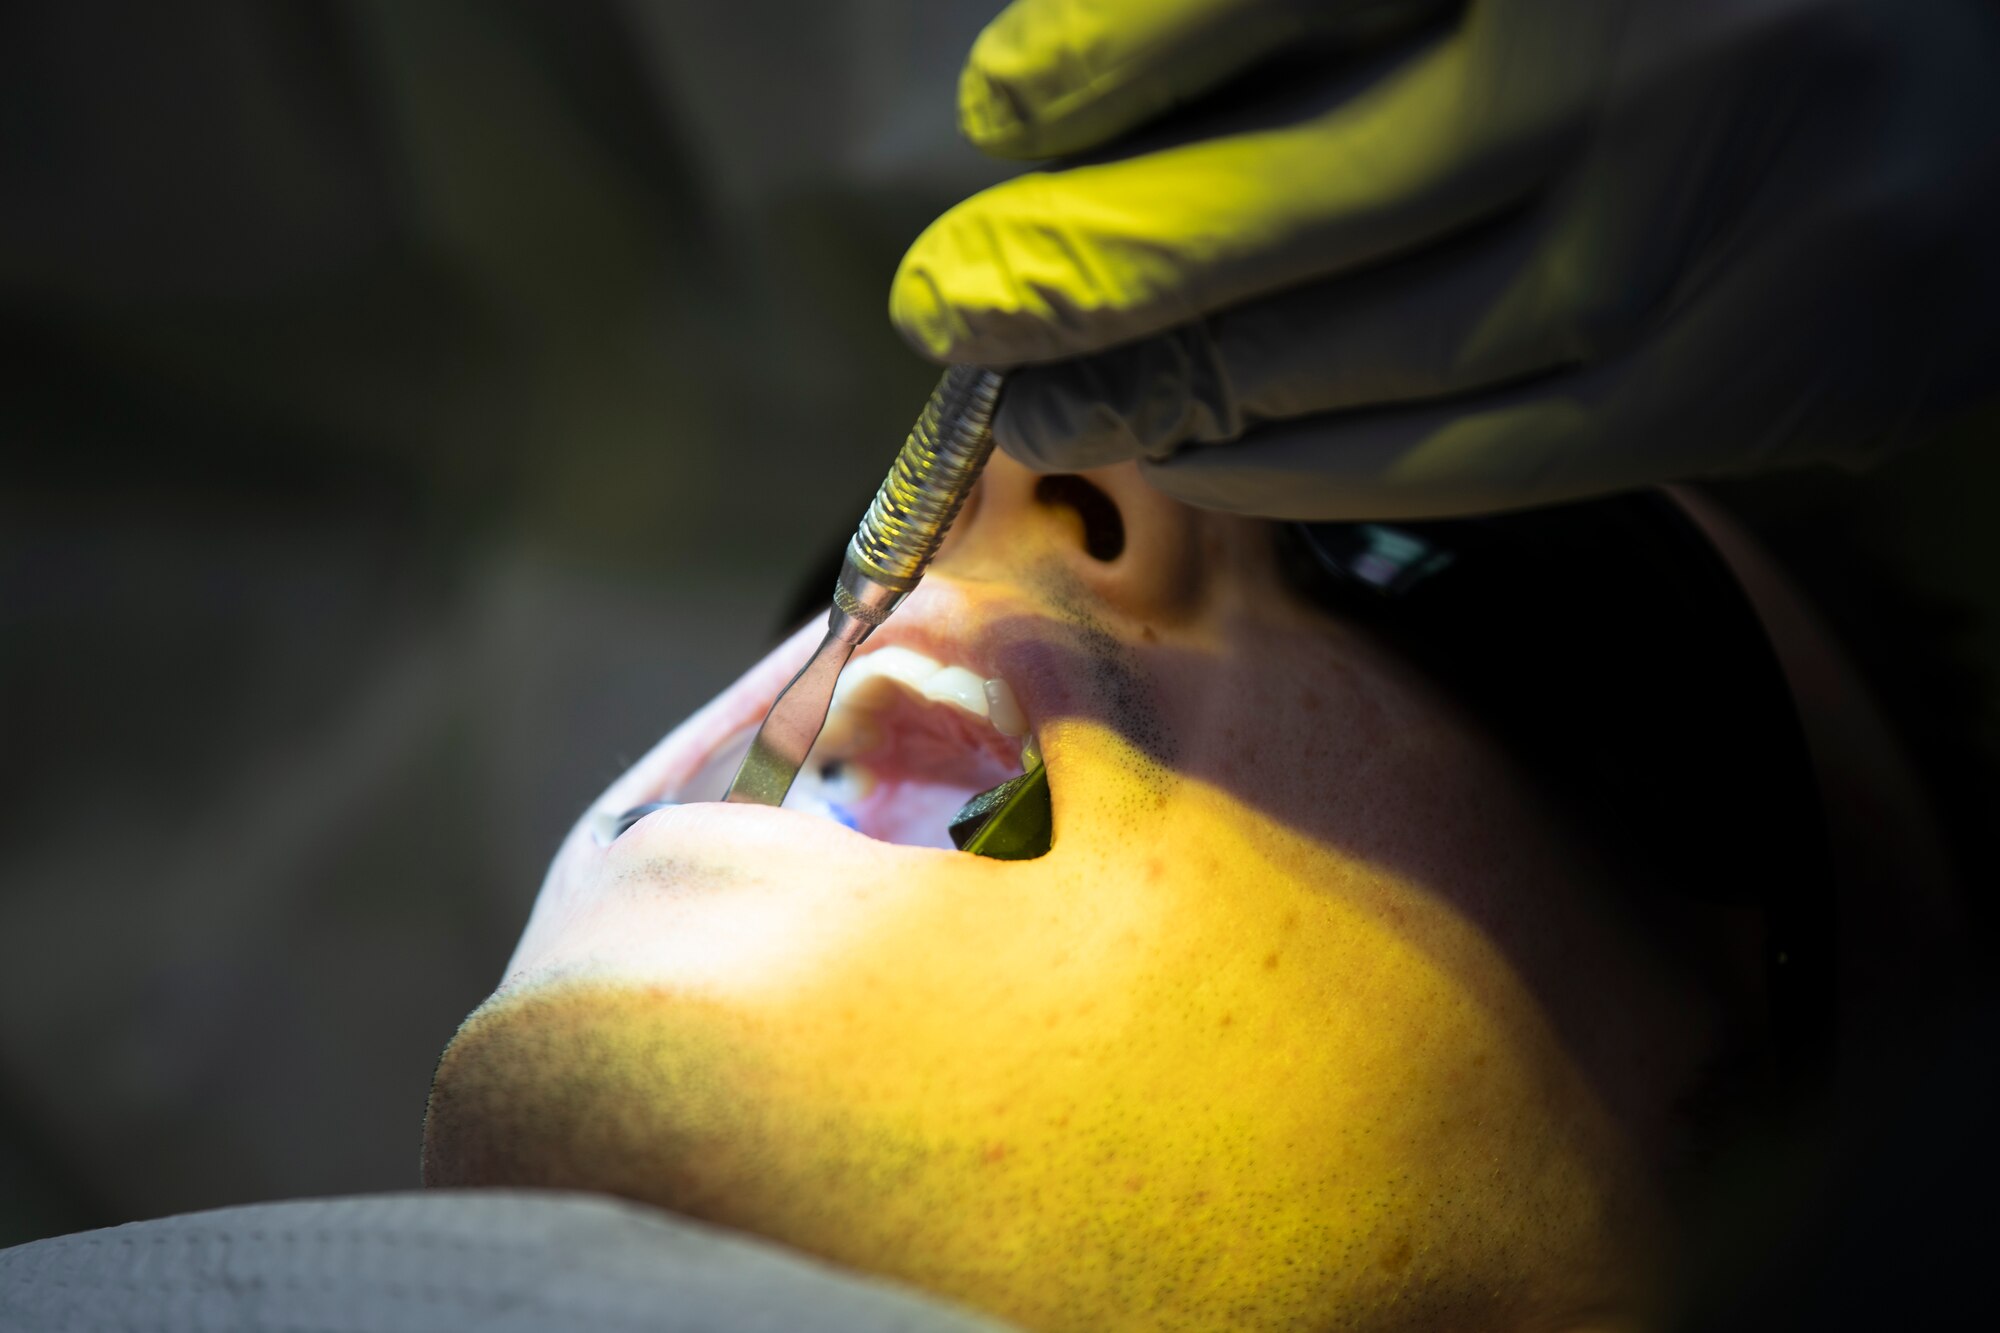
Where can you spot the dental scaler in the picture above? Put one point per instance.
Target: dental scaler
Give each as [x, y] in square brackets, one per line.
[899, 534]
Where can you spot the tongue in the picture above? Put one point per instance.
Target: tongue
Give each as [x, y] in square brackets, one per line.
[917, 740]
[927, 760]
[914, 814]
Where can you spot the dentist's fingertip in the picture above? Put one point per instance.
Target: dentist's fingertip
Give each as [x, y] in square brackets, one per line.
[918, 310]
[992, 115]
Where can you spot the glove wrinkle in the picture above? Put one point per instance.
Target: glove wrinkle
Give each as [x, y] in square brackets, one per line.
[991, 115]
[1421, 462]
[1144, 400]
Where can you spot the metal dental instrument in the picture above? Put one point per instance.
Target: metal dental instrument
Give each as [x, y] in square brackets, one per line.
[900, 533]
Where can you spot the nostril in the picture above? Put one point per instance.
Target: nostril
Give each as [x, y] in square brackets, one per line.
[1103, 526]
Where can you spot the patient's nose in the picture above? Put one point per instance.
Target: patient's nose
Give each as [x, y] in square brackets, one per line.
[1106, 528]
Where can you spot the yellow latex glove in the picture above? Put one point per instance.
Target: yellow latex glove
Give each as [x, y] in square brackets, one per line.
[1418, 263]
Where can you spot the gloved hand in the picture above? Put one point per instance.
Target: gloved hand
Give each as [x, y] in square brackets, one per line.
[1524, 251]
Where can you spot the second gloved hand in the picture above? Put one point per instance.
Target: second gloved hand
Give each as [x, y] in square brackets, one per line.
[1529, 251]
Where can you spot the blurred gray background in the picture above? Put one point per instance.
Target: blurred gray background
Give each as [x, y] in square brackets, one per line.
[409, 411]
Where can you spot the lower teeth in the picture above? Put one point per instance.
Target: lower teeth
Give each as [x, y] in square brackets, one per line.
[831, 790]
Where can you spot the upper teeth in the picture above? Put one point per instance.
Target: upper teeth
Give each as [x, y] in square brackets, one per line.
[991, 699]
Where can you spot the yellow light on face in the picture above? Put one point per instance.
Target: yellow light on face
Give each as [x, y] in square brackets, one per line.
[1226, 1075]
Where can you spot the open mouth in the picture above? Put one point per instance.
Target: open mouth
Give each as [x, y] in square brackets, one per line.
[908, 742]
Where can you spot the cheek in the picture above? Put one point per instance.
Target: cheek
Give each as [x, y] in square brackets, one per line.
[1204, 1049]
[1173, 939]
[1264, 718]
[943, 996]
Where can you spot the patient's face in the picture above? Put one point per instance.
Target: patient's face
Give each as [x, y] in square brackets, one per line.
[1305, 1016]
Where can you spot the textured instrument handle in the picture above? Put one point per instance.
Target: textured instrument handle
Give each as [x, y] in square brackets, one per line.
[932, 476]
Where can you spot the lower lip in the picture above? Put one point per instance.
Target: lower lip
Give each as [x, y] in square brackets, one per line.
[740, 834]
[711, 780]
